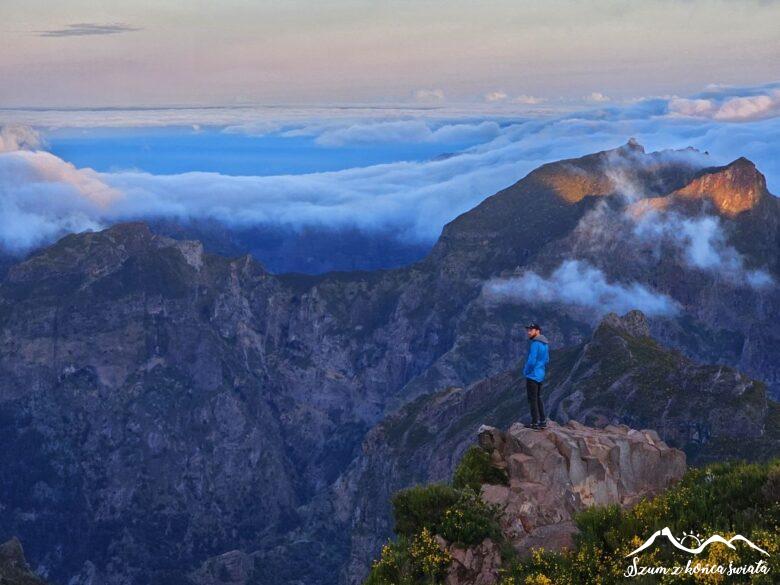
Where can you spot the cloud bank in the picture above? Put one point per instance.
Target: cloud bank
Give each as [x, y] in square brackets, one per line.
[18, 137]
[48, 196]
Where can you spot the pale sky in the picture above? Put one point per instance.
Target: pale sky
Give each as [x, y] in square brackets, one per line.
[81, 53]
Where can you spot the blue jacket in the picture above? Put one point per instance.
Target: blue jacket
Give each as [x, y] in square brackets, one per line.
[538, 357]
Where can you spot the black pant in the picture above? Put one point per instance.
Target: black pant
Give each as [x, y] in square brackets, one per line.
[534, 390]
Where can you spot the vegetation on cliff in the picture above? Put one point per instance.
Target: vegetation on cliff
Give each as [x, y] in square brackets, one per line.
[452, 512]
[723, 498]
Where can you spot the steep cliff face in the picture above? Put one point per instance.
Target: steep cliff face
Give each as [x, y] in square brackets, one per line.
[733, 189]
[192, 405]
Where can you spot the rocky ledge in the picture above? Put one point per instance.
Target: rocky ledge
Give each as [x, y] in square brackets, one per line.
[552, 475]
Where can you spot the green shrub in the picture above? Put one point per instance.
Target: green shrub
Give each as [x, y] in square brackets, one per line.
[421, 507]
[457, 515]
[475, 469]
[470, 520]
[771, 489]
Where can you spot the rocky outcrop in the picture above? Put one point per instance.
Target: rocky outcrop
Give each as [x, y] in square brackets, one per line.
[14, 569]
[230, 568]
[555, 473]
[732, 189]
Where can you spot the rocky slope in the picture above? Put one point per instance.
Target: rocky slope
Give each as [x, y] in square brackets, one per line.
[554, 474]
[624, 375]
[192, 404]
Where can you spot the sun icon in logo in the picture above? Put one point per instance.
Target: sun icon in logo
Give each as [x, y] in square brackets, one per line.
[696, 537]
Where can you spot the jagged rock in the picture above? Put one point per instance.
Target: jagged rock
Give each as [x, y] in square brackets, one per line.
[554, 474]
[634, 323]
[14, 569]
[560, 471]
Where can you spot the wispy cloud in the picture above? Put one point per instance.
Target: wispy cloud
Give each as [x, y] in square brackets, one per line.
[429, 95]
[529, 100]
[578, 283]
[86, 29]
[596, 97]
[496, 96]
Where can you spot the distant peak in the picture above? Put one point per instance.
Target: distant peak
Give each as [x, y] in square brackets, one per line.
[634, 145]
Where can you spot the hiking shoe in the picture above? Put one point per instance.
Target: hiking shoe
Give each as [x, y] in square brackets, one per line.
[534, 426]
[542, 425]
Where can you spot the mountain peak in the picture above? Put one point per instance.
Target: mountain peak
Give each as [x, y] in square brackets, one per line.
[633, 146]
[733, 188]
[742, 162]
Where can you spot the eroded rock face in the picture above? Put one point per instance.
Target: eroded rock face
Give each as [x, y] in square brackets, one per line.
[555, 473]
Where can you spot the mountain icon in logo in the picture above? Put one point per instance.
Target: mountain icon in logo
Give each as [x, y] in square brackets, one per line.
[702, 545]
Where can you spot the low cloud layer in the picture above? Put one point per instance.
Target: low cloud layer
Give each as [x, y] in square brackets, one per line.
[44, 196]
[578, 283]
[407, 131]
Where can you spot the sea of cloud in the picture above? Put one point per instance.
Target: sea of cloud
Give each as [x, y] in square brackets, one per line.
[43, 196]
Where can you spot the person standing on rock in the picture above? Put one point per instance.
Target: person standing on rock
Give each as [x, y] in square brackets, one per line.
[534, 371]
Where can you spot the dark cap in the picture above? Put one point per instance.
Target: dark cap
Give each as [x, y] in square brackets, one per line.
[533, 326]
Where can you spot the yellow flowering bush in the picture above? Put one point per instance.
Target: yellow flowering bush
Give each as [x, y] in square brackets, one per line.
[415, 561]
[725, 499]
